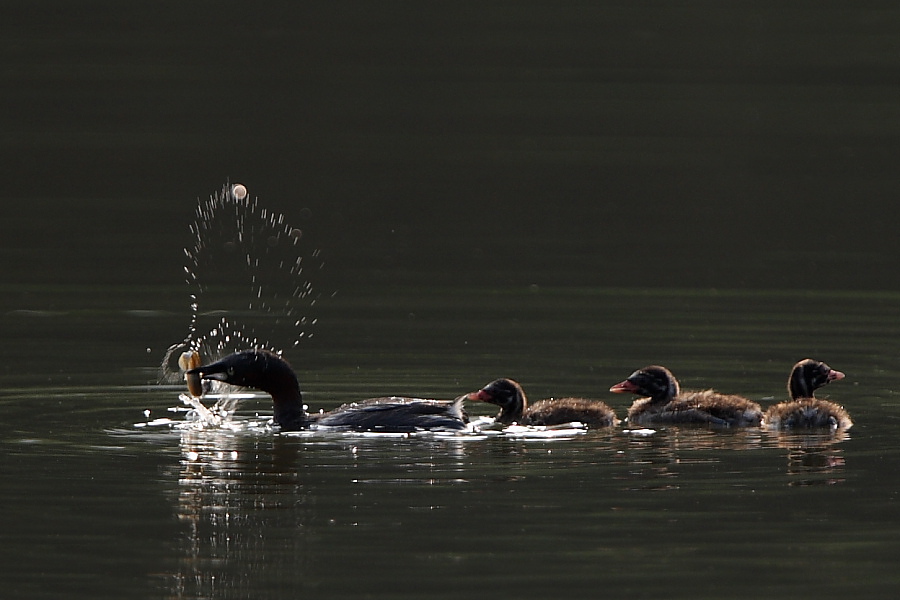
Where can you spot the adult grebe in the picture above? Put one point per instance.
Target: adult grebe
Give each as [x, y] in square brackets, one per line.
[272, 374]
[664, 402]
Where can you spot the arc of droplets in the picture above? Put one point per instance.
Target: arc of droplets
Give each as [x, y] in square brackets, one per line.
[230, 222]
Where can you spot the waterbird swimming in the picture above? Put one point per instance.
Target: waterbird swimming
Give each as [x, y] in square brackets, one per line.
[804, 410]
[663, 402]
[509, 396]
[270, 373]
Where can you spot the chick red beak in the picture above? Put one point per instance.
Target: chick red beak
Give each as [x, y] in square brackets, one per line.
[626, 387]
[479, 396]
[835, 375]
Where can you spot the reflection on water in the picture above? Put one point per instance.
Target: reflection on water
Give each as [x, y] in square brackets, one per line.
[313, 512]
[225, 492]
[256, 509]
[813, 457]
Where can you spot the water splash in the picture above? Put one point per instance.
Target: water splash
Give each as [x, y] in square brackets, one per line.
[248, 272]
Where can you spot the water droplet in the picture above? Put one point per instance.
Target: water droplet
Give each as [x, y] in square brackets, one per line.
[245, 284]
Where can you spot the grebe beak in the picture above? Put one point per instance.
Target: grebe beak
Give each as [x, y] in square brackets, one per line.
[479, 396]
[626, 387]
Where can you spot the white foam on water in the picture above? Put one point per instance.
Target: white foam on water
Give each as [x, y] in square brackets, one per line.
[569, 430]
[639, 432]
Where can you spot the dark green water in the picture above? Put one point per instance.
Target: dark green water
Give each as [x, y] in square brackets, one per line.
[96, 507]
[559, 193]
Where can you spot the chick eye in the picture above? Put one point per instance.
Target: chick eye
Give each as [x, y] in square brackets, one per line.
[230, 371]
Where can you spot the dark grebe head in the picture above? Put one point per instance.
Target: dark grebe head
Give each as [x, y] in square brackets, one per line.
[260, 369]
[264, 371]
[808, 375]
[654, 382]
[505, 393]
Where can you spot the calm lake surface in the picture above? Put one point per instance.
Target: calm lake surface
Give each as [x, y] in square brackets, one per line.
[96, 506]
[558, 193]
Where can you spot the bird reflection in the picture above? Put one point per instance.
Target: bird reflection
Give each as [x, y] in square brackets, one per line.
[814, 457]
[230, 490]
[655, 460]
[264, 510]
